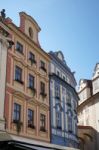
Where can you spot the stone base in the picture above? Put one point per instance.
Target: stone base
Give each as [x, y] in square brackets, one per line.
[2, 125]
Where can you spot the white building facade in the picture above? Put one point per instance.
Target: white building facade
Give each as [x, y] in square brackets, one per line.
[4, 45]
[88, 109]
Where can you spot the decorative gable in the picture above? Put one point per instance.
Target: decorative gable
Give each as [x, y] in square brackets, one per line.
[60, 55]
[29, 26]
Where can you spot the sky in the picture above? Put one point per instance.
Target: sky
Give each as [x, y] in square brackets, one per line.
[71, 26]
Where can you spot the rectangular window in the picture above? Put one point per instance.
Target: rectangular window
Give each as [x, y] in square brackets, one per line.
[17, 112]
[58, 73]
[58, 120]
[68, 98]
[30, 118]
[42, 88]
[18, 74]
[31, 81]
[43, 65]
[64, 78]
[19, 47]
[57, 91]
[69, 124]
[32, 57]
[42, 122]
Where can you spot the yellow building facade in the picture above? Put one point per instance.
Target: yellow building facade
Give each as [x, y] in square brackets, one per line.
[27, 88]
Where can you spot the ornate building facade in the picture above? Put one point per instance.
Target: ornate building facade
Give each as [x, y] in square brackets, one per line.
[63, 102]
[88, 111]
[27, 87]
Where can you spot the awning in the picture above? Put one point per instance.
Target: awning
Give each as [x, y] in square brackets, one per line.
[4, 136]
[29, 147]
[29, 144]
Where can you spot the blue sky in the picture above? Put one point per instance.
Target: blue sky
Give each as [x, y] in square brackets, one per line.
[71, 26]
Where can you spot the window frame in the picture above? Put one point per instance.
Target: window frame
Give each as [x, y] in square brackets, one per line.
[42, 122]
[18, 74]
[57, 91]
[70, 121]
[19, 47]
[31, 81]
[30, 118]
[58, 120]
[16, 113]
[43, 65]
[32, 57]
[42, 87]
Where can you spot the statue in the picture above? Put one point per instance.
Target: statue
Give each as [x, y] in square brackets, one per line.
[3, 15]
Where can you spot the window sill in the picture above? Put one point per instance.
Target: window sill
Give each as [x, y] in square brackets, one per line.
[43, 94]
[57, 97]
[32, 61]
[17, 122]
[43, 130]
[21, 82]
[31, 126]
[69, 104]
[59, 128]
[70, 131]
[17, 50]
[44, 69]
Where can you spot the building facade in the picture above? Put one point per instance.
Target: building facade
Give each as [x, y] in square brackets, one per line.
[63, 102]
[27, 88]
[4, 45]
[88, 110]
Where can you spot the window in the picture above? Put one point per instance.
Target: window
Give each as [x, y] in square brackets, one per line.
[69, 122]
[18, 74]
[58, 73]
[17, 112]
[64, 78]
[30, 118]
[57, 91]
[68, 98]
[43, 65]
[32, 57]
[42, 122]
[42, 88]
[31, 81]
[76, 128]
[19, 47]
[75, 105]
[58, 120]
